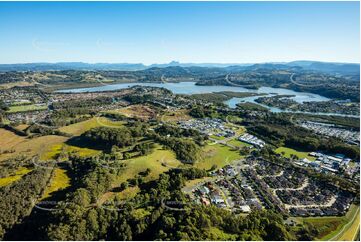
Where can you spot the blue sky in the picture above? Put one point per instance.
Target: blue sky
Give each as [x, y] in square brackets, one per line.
[159, 32]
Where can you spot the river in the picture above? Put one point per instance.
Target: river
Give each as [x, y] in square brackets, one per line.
[191, 88]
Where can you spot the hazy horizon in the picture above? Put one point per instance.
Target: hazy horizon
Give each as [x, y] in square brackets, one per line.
[188, 32]
[170, 62]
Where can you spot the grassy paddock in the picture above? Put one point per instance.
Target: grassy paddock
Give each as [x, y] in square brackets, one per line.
[27, 146]
[288, 152]
[81, 127]
[136, 165]
[218, 154]
[179, 115]
[237, 143]
[26, 108]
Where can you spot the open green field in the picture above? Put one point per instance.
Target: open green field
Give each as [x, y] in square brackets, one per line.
[53, 151]
[175, 116]
[60, 180]
[26, 146]
[159, 161]
[237, 143]
[217, 137]
[17, 176]
[288, 152]
[81, 127]
[335, 228]
[143, 112]
[152, 161]
[26, 108]
[25, 102]
[217, 154]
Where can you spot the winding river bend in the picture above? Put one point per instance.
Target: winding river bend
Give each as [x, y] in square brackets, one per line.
[192, 88]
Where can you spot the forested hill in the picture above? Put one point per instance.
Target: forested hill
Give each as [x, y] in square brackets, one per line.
[332, 80]
[327, 67]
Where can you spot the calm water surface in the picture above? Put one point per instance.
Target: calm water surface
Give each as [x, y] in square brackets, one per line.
[191, 88]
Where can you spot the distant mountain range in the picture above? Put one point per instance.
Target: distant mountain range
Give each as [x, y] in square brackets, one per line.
[327, 67]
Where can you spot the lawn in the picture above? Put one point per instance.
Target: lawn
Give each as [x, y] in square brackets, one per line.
[60, 180]
[18, 174]
[288, 152]
[26, 108]
[218, 154]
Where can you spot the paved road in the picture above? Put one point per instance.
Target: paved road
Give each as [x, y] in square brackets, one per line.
[303, 186]
[328, 204]
[188, 189]
[163, 79]
[277, 175]
[223, 141]
[302, 85]
[231, 83]
[346, 225]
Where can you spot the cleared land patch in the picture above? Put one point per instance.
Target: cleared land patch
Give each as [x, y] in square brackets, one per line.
[152, 161]
[81, 127]
[30, 147]
[219, 155]
[289, 151]
[54, 151]
[59, 181]
[159, 161]
[9, 139]
[26, 108]
[142, 112]
[237, 143]
[17, 176]
[175, 116]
